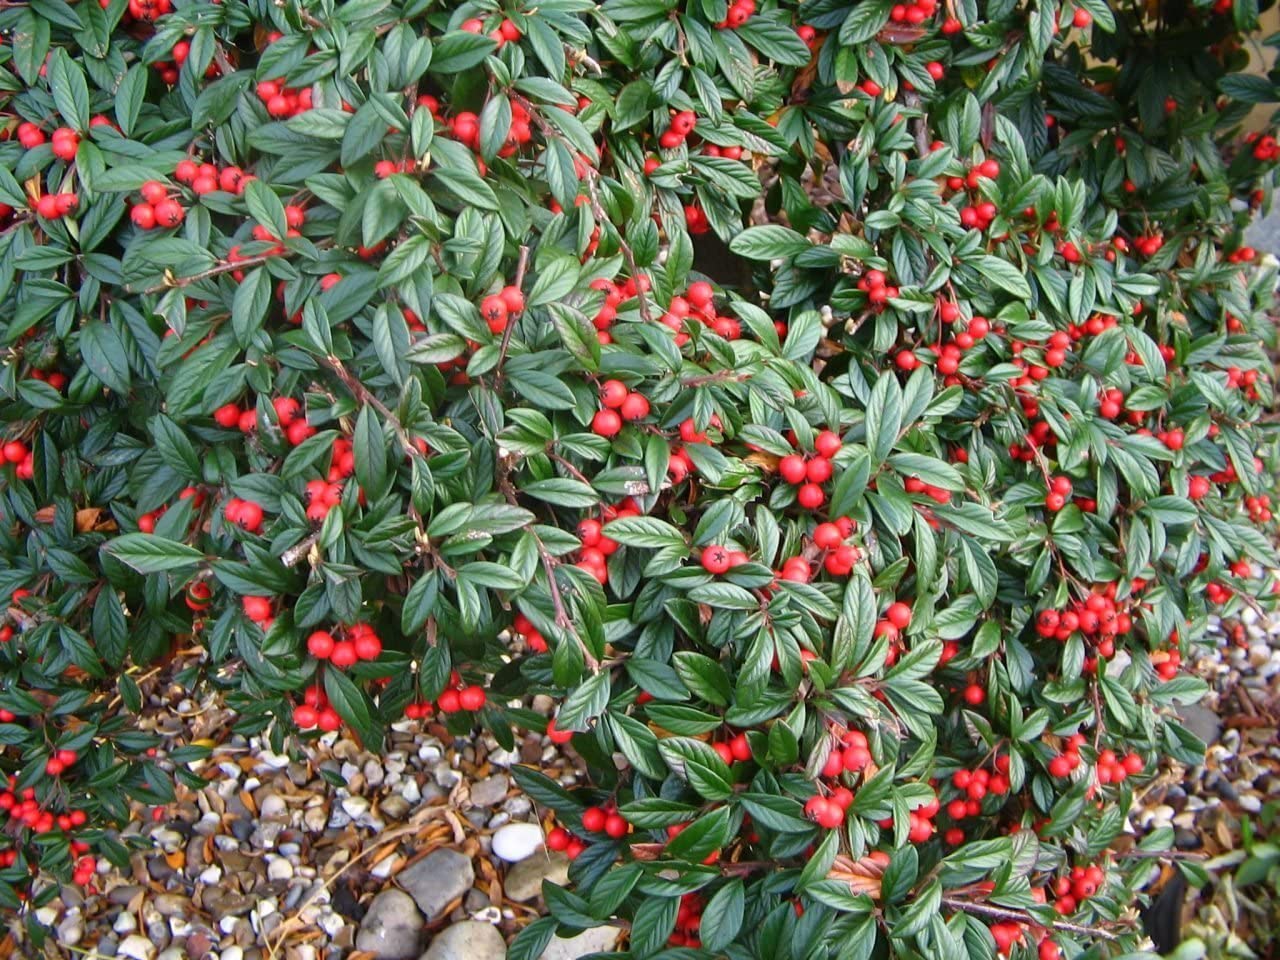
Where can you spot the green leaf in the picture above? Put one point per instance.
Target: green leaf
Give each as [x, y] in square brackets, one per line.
[104, 355]
[370, 451]
[769, 242]
[146, 553]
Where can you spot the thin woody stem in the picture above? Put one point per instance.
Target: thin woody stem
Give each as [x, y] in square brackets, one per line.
[1021, 916]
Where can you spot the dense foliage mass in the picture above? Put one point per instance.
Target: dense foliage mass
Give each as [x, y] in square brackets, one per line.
[391, 354]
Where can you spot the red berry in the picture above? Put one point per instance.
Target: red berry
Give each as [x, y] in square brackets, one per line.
[471, 698]
[715, 560]
[613, 393]
[594, 819]
[792, 469]
[320, 645]
[606, 423]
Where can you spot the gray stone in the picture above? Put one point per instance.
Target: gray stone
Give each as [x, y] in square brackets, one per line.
[468, 940]
[437, 880]
[595, 940]
[524, 879]
[1204, 723]
[392, 928]
[490, 791]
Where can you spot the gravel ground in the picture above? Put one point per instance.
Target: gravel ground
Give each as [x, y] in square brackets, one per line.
[1207, 805]
[339, 852]
[336, 853]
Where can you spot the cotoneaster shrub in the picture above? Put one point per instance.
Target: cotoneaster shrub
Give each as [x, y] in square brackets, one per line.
[383, 351]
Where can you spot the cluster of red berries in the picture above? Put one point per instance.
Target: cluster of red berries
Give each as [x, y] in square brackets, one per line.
[809, 474]
[1039, 435]
[205, 178]
[460, 696]
[315, 711]
[737, 749]
[59, 762]
[678, 129]
[52, 206]
[732, 152]
[740, 11]
[1259, 507]
[358, 642]
[1096, 616]
[688, 922]
[244, 513]
[1075, 889]
[1265, 147]
[620, 404]
[1149, 245]
[1217, 593]
[65, 143]
[1166, 663]
[876, 286]
[30, 135]
[1059, 490]
[282, 101]
[147, 9]
[839, 557]
[457, 697]
[695, 219]
[259, 610]
[156, 208]
[851, 755]
[829, 812]
[605, 819]
[466, 130]
[717, 560]
[615, 294]
[504, 33]
[594, 556]
[914, 13]
[561, 840]
[698, 303]
[1246, 380]
[973, 787]
[523, 626]
[16, 453]
[288, 411]
[22, 809]
[497, 307]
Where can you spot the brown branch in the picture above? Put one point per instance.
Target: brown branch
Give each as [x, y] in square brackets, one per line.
[1022, 916]
[577, 474]
[557, 603]
[597, 209]
[294, 555]
[720, 376]
[171, 282]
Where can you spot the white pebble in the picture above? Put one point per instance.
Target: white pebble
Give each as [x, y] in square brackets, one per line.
[517, 841]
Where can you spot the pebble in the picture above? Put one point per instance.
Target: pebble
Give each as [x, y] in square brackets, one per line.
[392, 927]
[467, 940]
[71, 929]
[136, 947]
[490, 791]
[437, 880]
[524, 880]
[279, 869]
[595, 940]
[355, 807]
[517, 841]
